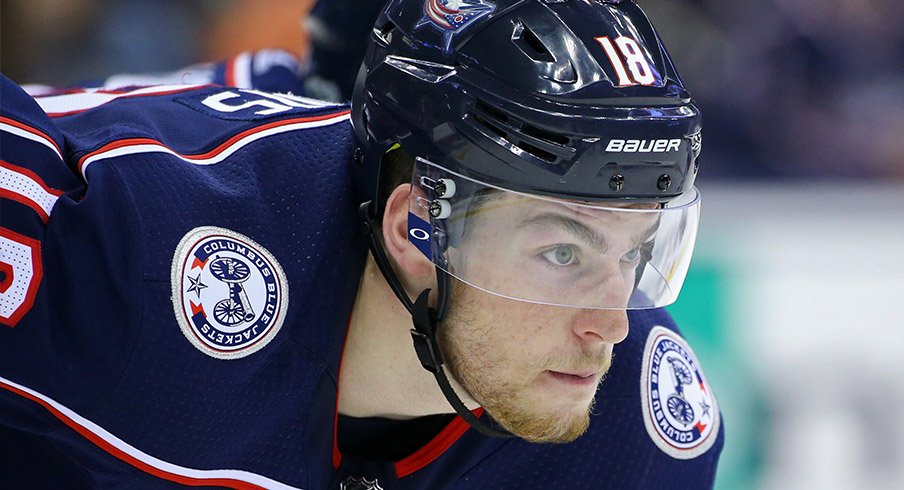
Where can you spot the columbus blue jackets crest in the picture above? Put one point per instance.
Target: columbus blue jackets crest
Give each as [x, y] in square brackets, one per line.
[679, 409]
[229, 293]
[451, 17]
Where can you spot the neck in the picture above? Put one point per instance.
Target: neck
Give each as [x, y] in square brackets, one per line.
[380, 375]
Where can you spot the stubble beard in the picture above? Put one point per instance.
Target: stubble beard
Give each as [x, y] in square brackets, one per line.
[476, 362]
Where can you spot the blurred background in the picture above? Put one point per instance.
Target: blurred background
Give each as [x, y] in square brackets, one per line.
[800, 259]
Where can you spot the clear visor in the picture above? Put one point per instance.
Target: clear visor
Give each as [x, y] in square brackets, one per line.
[550, 251]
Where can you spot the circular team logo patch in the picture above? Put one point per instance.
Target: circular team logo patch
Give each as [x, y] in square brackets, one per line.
[679, 409]
[229, 293]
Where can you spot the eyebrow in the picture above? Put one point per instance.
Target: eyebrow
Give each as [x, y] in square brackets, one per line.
[576, 228]
[583, 232]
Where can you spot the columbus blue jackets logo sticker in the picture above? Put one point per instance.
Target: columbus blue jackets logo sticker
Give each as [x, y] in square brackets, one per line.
[679, 409]
[229, 293]
[451, 17]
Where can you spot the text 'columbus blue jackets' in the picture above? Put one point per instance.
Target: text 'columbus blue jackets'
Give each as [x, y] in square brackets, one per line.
[177, 273]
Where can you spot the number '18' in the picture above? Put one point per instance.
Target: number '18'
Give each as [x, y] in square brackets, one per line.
[637, 64]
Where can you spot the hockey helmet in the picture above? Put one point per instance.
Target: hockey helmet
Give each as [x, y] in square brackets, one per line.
[562, 125]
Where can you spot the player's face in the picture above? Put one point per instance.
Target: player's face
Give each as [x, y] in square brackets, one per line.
[535, 368]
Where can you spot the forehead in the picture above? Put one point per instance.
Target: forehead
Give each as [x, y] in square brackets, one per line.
[497, 211]
[530, 205]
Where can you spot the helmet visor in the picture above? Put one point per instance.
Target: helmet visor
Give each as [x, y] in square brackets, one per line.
[611, 255]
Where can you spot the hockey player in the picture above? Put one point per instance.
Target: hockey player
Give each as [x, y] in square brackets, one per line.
[188, 297]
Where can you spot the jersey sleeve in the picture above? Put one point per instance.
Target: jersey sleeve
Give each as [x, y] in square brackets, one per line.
[64, 261]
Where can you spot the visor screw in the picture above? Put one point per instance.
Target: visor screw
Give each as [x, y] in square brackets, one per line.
[617, 182]
[440, 209]
[445, 188]
[664, 182]
[359, 156]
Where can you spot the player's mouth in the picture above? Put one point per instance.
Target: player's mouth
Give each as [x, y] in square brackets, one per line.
[588, 378]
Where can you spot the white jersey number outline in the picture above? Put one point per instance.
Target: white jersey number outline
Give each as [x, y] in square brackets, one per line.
[634, 57]
[270, 103]
[20, 274]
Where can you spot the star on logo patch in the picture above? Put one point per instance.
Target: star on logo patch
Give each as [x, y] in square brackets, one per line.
[196, 285]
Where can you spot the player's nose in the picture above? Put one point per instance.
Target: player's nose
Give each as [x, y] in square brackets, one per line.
[600, 326]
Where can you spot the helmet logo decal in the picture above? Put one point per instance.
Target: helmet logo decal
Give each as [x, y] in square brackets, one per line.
[229, 293]
[451, 17]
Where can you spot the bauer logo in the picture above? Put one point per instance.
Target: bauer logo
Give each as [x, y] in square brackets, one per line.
[679, 410]
[643, 146]
[229, 293]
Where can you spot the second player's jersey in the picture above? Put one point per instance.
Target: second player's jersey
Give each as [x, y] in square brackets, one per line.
[271, 70]
[179, 263]
[178, 269]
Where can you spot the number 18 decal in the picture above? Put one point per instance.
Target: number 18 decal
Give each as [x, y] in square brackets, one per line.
[634, 57]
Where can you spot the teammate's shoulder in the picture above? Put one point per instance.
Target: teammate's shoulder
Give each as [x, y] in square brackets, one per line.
[220, 102]
[21, 114]
[33, 169]
[188, 120]
[270, 70]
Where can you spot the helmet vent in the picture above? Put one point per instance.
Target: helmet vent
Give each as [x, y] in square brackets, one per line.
[530, 44]
[512, 133]
[385, 33]
[545, 135]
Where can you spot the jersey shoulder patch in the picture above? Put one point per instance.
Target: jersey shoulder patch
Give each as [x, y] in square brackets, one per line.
[230, 294]
[680, 412]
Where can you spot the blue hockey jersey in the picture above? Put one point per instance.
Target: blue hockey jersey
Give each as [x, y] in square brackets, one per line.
[177, 270]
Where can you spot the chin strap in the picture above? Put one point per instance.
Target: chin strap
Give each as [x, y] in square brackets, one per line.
[425, 322]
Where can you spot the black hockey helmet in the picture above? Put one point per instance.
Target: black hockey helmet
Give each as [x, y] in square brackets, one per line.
[572, 99]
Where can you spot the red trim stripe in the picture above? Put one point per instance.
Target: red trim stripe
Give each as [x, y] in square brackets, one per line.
[125, 95]
[229, 75]
[212, 153]
[423, 456]
[32, 130]
[436, 447]
[84, 428]
[37, 274]
[7, 280]
[22, 198]
[121, 455]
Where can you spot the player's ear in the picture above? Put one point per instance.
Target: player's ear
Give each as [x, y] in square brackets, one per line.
[409, 261]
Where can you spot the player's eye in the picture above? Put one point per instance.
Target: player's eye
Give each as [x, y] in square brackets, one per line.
[632, 256]
[560, 255]
[639, 253]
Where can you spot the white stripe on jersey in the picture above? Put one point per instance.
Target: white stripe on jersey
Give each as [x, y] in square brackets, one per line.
[57, 105]
[75, 420]
[29, 190]
[241, 67]
[9, 128]
[213, 157]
